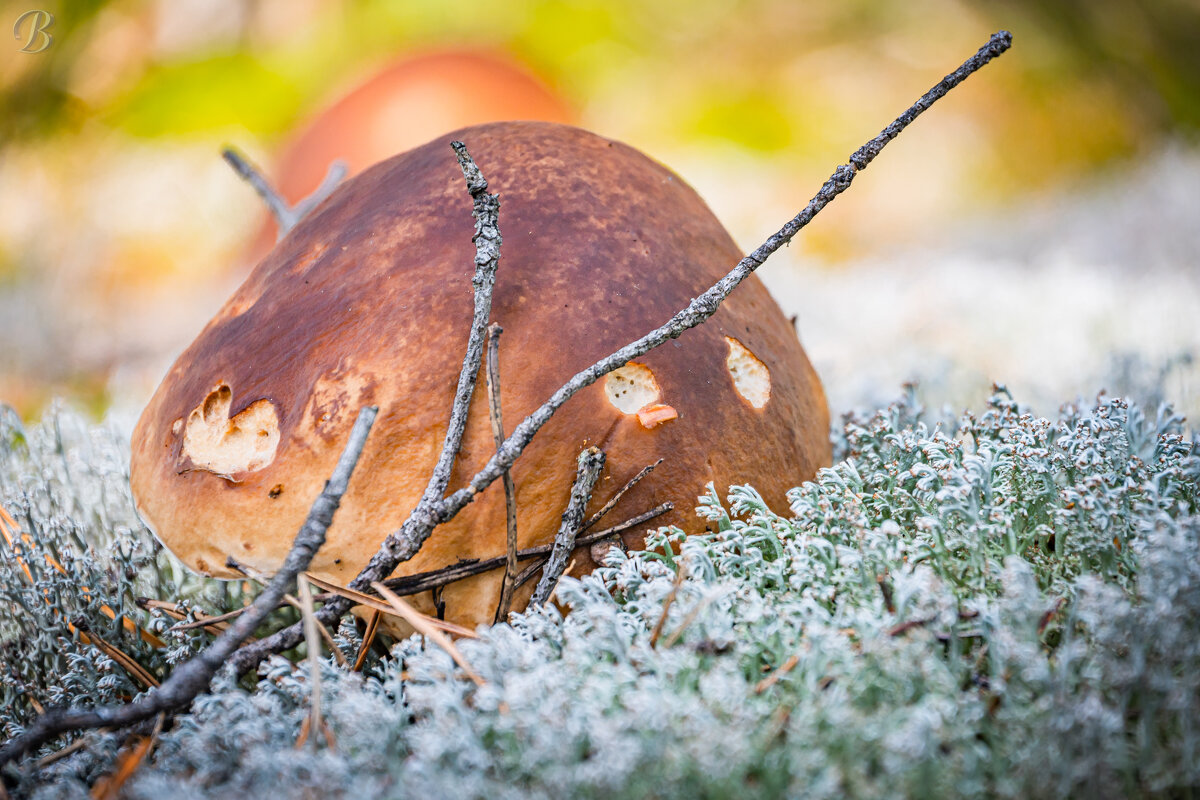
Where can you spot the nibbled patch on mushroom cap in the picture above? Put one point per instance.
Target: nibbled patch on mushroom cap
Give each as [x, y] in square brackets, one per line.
[214, 442]
[631, 388]
[750, 376]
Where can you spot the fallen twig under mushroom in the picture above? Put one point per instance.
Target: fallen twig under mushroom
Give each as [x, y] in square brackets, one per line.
[510, 491]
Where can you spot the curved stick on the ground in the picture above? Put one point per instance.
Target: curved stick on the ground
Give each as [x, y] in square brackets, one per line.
[403, 544]
[510, 491]
[587, 472]
[192, 677]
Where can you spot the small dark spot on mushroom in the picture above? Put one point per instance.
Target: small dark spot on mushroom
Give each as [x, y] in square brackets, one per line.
[276, 490]
[247, 546]
[201, 565]
[337, 561]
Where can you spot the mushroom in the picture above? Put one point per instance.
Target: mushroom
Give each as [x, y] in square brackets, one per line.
[369, 300]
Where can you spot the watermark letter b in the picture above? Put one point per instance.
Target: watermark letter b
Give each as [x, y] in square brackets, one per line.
[37, 22]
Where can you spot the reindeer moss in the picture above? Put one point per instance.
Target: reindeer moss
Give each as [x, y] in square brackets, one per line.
[1001, 605]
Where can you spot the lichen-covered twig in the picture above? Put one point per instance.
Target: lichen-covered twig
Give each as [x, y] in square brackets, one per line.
[286, 216]
[424, 581]
[616, 498]
[587, 472]
[424, 517]
[192, 677]
[403, 544]
[510, 491]
[680, 574]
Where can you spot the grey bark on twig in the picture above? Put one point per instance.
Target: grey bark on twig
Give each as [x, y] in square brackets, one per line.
[193, 677]
[590, 465]
[424, 517]
[403, 544]
[286, 216]
[616, 498]
[510, 491]
[424, 581]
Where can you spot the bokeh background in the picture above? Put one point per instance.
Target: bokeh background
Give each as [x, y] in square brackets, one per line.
[1040, 227]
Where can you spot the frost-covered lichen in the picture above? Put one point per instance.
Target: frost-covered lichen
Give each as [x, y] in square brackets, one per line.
[996, 606]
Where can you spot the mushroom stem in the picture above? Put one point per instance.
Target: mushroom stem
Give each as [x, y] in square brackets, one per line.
[510, 491]
[406, 542]
[192, 677]
[591, 463]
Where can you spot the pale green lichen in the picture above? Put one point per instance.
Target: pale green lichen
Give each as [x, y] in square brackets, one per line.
[996, 606]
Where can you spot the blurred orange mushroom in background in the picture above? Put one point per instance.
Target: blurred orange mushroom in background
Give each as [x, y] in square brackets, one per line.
[405, 104]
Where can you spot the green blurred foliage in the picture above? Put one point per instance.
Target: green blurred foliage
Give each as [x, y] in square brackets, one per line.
[209, 94]
[726, 71]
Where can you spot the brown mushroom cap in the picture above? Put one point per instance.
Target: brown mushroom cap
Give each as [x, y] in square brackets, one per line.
[369, 301]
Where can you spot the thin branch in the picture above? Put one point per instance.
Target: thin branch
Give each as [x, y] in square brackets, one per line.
[691, 617]
[406, 585]
[510, 491]
[295, 603]
[680, 574]
[533, 569]
[373, 602]
[420, 624]
[314, 653]
[773, 678]
[423, 518]
[424, 581]
[367, 640]
[333, 178]
[286, 216]
[192, 677]
[616, 498]
[404, 543]
[587, 472]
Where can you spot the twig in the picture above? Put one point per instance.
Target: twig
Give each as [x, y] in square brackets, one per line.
[404, 543]
[587, 472]
[691, 617]
[286, 216]
[424, 581]
[885, 588]
[616, 498]
[192, 677]
[773, 678]
[333, 178]
[58, 755]
[420, 623]
[109, 787]
[295, 603]
[680, 574]
[367, 640]
[905, 627]
[314, 654]
[510, 491]
[373, 602]
[424, 517]
[213, 625]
